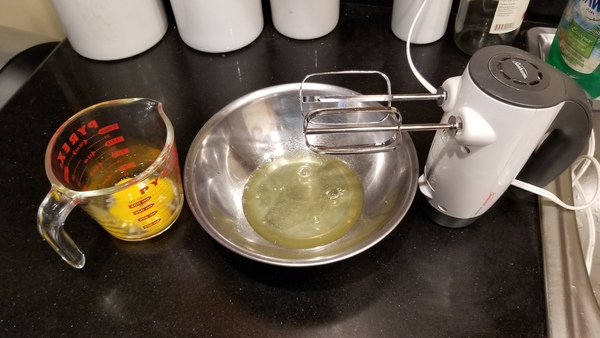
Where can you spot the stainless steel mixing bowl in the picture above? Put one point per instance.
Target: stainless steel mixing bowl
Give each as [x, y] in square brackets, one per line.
[264, 125]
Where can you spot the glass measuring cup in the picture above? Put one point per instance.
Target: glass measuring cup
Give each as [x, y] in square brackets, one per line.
[118, 161]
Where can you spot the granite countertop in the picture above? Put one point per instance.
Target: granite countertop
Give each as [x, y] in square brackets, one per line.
[421, 280]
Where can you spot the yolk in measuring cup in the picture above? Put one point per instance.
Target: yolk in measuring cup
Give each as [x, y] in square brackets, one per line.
[146, 207]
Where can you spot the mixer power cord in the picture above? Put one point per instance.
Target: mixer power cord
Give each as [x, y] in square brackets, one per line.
[414, 70]
[578, 168]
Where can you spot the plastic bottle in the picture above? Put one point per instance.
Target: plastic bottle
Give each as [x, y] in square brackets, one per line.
[481, 23]
[576, 46]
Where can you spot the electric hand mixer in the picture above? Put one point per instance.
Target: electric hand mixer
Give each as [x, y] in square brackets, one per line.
[510, 115]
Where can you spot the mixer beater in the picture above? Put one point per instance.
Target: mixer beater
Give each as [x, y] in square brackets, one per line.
[357, 123]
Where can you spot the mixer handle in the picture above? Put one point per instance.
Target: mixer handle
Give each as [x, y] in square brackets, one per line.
[568, 136]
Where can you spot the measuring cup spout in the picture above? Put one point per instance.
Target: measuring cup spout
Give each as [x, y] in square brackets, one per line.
[51, 219]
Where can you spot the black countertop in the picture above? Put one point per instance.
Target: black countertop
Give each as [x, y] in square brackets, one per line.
[421, 280]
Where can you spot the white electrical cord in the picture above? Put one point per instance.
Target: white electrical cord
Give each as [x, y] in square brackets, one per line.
[418, 75]
[589, 253]
[545, 193]
[584, 161]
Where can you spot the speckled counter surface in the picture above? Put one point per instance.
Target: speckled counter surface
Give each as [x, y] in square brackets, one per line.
[422, 280]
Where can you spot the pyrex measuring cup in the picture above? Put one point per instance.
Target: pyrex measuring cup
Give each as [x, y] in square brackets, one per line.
[118, 161]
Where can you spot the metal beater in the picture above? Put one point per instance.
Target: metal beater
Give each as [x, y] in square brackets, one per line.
[360, 125]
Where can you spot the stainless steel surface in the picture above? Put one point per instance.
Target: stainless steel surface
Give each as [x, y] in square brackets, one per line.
[267, 124]
[572, 296]
[572, 309]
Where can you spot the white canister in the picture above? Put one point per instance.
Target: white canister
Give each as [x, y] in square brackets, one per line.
[305, 19]
[431, 24]
[218, 26]
[112, 29]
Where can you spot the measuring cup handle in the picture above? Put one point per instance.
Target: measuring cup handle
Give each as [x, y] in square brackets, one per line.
[51, 218]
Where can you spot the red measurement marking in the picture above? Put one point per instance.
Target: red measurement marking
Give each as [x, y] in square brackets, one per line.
[106, 179]
[95, 142]
[151, 224]
[77, 165]
[147, 216]
[89, 156]
[137, 204]
[93, 171]
[104, 153]
[69, 161]
[78, 183]
[108, 129]
[79, 146]
[137, 212]
[113, 164]
[127, 166]
[70, 158]
[120, 152]
[66, 174]
[114, 141]
[83, 172]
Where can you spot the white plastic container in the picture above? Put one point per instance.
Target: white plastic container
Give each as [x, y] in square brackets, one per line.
[305, 19]
[432, 22]
[218, 26]
[111, 29]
